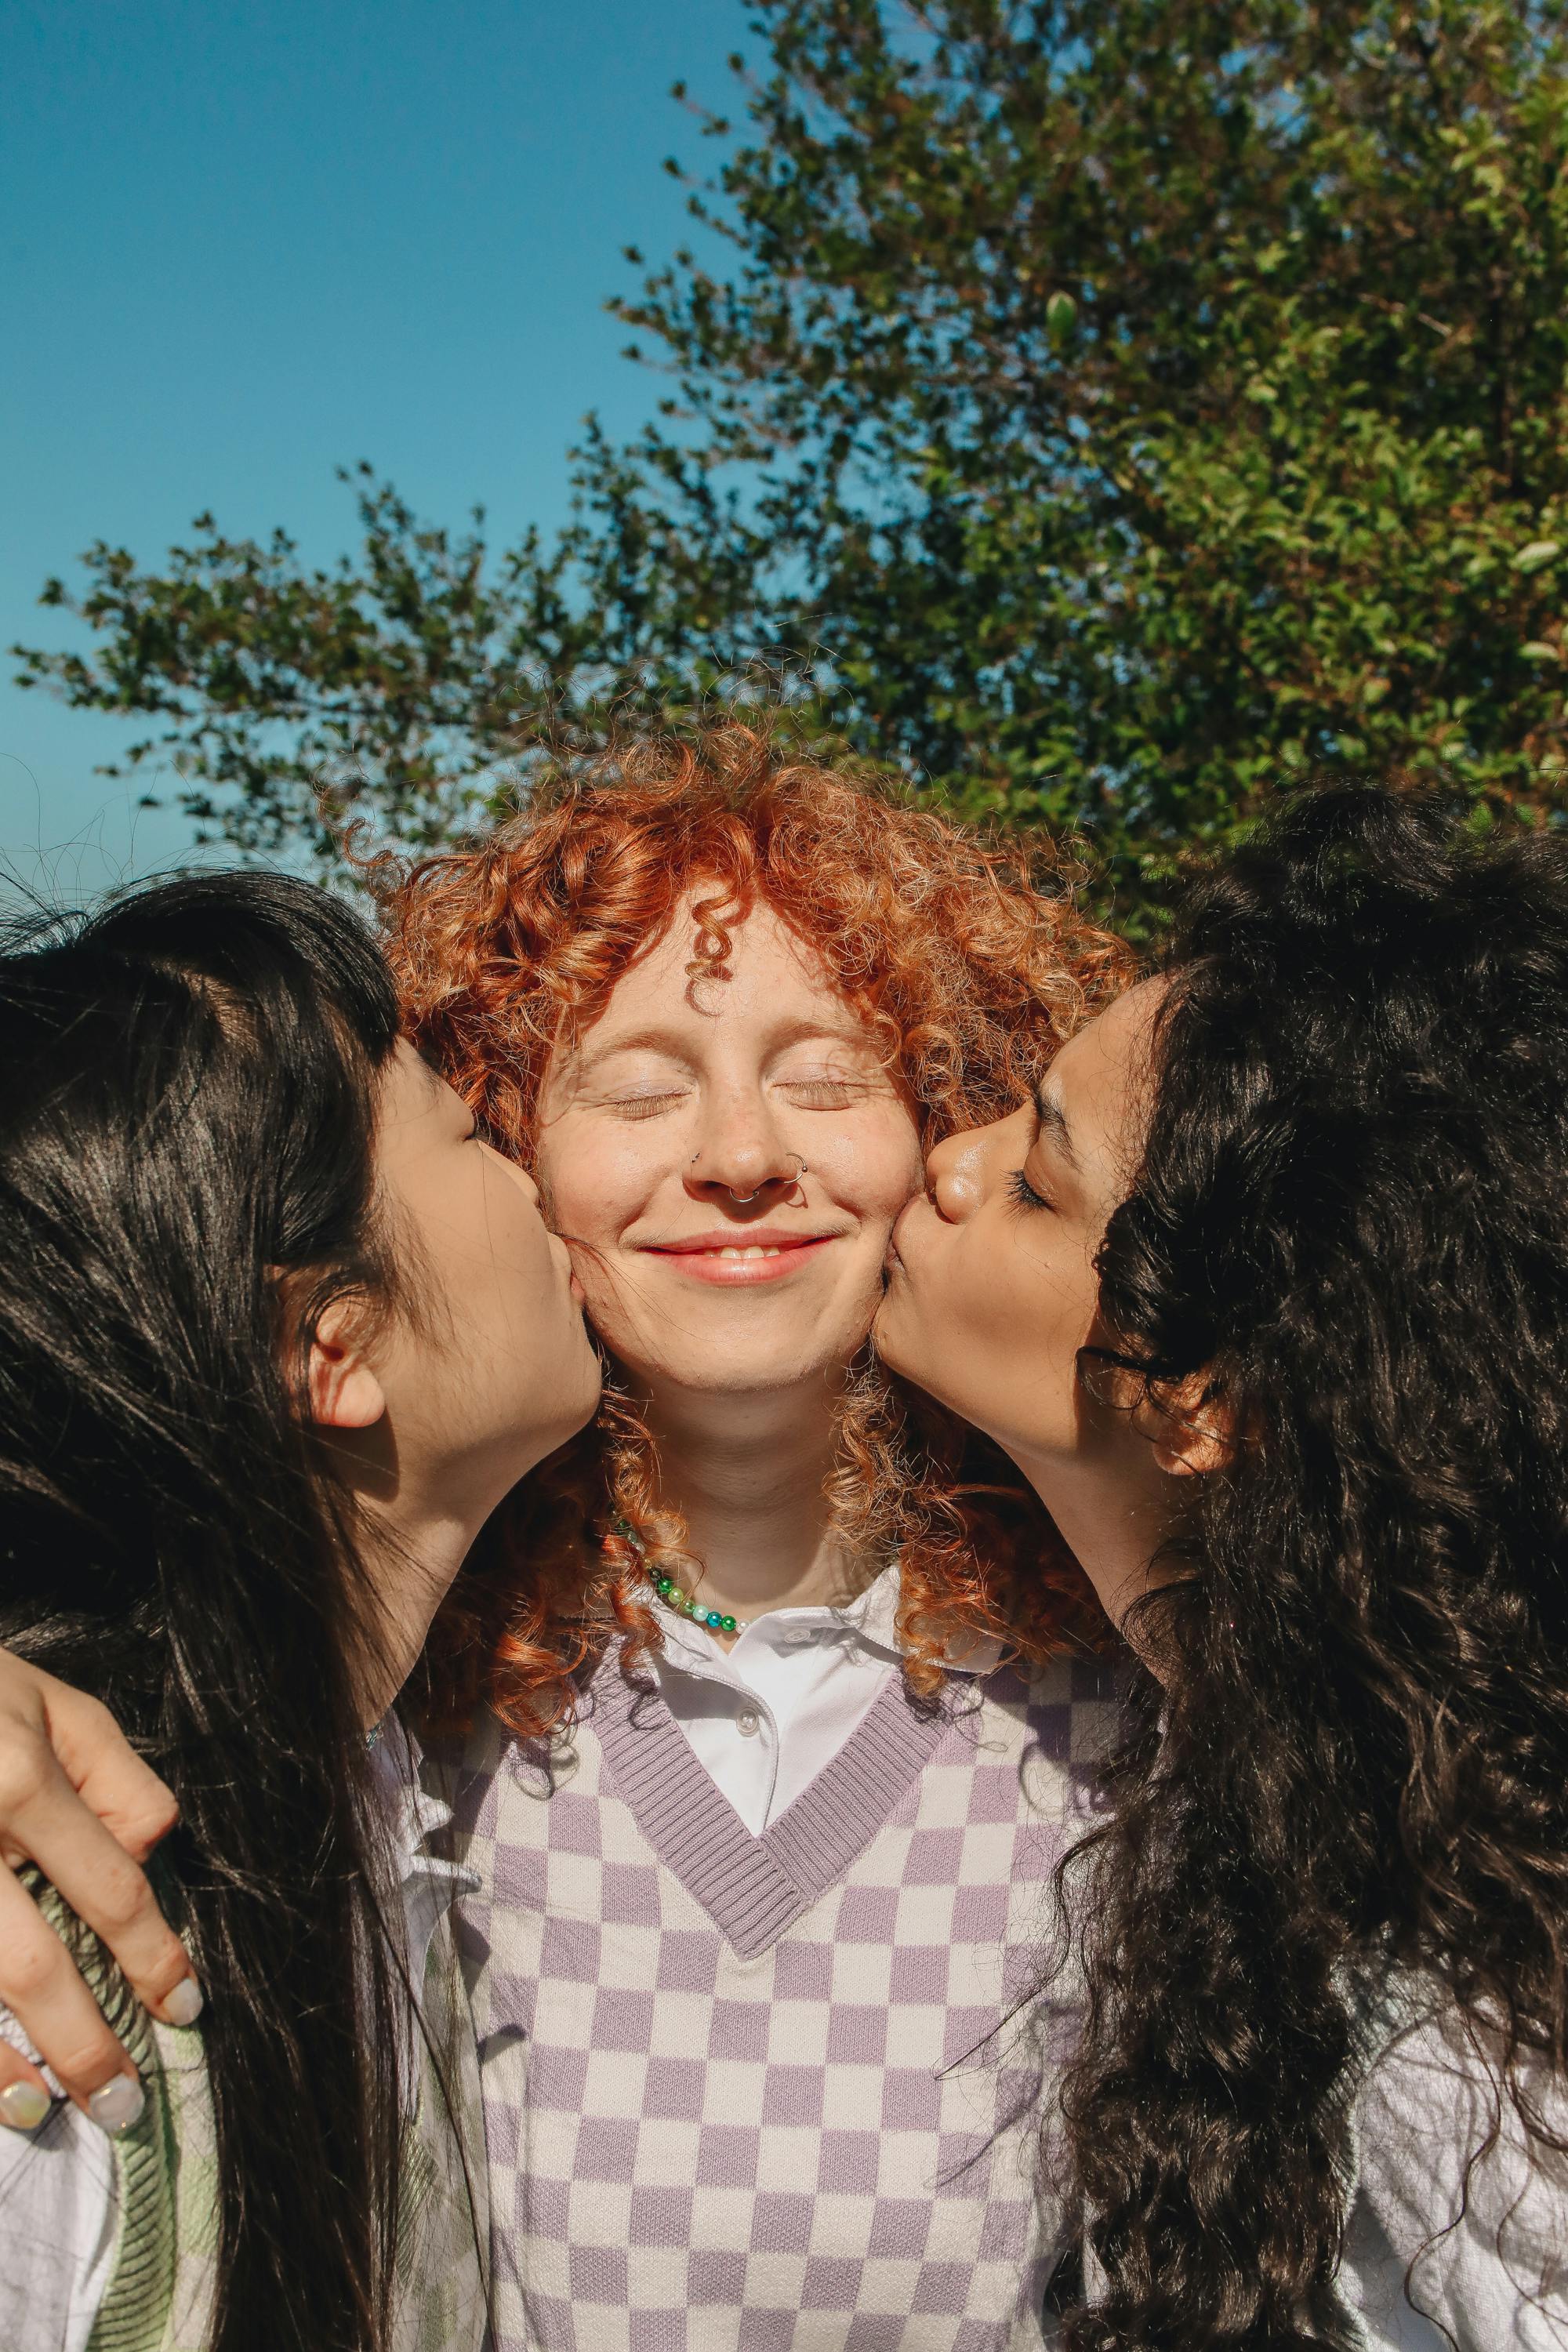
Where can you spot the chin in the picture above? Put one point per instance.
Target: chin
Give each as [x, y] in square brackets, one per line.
[739, 1363]
[740, 1342]
[890, 1333]
[741, 1373]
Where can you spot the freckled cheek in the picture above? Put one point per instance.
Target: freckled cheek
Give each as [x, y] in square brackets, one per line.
[594, 1196]
[874, 1175]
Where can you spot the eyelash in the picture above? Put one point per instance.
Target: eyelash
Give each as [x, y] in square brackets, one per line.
[646, 1105]
[842, 1092]
[1023, 1194]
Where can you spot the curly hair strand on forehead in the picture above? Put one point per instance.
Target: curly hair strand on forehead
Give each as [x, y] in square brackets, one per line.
[964, 952]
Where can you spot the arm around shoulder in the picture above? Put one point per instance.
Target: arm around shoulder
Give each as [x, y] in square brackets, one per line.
[78, 1803]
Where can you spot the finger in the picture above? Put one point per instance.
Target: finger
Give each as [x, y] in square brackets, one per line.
[25, 2098]
[39, 1983]
[133, 1804]
[110, 1894]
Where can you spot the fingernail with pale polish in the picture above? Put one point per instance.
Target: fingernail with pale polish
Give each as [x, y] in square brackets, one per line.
[23, 2106]
[183, 2005]
[117, 2106]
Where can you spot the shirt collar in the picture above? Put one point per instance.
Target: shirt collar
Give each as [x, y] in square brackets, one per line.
[870, 1620]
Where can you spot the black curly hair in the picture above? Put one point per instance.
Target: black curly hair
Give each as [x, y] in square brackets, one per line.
[1350, 1229]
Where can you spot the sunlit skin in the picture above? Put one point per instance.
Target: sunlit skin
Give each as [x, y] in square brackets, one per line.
[481, 1367]
[727, 1158]
[992, 1297]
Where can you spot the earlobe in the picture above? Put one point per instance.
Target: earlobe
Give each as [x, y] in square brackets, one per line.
[343, 1391]
[1193, 1436]
[1190, 1453]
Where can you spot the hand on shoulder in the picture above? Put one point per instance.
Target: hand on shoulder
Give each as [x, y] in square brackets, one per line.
[80, 1804]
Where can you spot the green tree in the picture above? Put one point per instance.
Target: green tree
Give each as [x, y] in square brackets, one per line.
[1116, 406]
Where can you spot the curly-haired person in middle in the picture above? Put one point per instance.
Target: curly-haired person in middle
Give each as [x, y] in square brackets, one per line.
[760, 1802]
[773, 1701]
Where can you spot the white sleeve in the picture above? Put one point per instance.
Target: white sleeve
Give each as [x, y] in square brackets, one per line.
[59, 2210]
[59, 2200]
[1486, 2256]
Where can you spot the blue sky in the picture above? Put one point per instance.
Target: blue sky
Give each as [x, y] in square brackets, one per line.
[242, 245]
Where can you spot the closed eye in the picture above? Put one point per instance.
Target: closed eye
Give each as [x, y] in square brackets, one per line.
[1023, 1194]
[824, 1094]
[647, 1105]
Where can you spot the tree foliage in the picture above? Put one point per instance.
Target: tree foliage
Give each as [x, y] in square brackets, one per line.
[1116, 406]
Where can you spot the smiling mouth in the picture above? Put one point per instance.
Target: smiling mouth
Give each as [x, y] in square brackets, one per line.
[737, 1264]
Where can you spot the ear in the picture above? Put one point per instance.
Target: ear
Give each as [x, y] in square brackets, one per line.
[1192, 1434]
[343, 1391]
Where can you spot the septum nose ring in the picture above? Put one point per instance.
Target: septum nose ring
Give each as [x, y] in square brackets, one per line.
[741, 1199]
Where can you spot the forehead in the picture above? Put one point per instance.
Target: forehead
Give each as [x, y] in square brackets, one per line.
[1099, 1080]
[772, 978]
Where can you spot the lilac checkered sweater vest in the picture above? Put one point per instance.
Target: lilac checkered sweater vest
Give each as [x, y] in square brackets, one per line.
[747, 2093]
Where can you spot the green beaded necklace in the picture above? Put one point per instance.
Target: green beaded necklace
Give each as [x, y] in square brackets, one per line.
[682, 1603]
[685, 1606]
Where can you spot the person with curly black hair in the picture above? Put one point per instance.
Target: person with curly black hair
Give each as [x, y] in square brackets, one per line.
[1268, 1295]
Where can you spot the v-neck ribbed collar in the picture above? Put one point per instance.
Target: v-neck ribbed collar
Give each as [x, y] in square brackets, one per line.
[754, 1888]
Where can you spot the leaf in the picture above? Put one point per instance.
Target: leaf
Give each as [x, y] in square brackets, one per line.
[1539, 553]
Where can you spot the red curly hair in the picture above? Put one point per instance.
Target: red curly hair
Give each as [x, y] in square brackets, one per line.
[966, 952]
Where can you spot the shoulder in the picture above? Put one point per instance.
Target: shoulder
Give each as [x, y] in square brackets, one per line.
[1459, 2213]
[1067, 1711]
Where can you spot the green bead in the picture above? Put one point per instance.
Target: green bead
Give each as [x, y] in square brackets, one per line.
[729, 1625]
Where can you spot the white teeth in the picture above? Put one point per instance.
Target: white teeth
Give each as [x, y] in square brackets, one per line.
[752, 1249]
[755, 1250]
[729, 1253]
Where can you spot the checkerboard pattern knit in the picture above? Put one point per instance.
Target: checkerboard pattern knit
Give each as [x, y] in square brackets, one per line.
[757, 2095]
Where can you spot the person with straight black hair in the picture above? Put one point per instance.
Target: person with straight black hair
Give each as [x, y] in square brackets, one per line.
[1267, 1293]
[278, 1332]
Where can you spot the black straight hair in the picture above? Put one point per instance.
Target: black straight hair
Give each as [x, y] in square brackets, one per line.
[187, 1116]
[1350, 1230]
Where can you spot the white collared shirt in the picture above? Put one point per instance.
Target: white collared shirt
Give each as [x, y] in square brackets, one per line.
[765, 1717]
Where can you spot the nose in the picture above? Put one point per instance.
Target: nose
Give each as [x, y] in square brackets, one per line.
[516, 1170]
[740, 1152]
[954, 1170]
[962, 1172]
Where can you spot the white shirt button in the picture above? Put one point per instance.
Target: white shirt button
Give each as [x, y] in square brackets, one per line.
[746, 1723]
